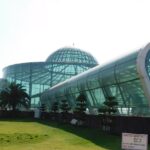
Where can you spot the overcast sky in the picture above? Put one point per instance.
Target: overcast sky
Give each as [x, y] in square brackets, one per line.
[30, 30]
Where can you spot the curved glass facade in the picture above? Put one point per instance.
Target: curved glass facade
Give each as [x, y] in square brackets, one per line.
[121, 78]
[39, 76]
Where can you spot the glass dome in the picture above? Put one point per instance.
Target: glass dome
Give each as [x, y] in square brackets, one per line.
[67, 62]
[72, 55]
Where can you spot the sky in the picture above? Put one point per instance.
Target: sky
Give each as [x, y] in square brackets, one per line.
[30, 30]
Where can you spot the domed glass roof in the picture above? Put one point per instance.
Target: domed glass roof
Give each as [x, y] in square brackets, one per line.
[67, 62]
[71, 55]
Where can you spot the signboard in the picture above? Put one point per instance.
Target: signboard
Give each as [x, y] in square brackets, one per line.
[132, 141]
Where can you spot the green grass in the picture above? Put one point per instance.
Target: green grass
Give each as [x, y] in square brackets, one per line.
[29, 135]
[17, 138]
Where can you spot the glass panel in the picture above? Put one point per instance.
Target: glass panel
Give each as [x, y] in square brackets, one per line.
[93, 82]
[90, 100]
[126, 71]
[98, 97]
[135, 97]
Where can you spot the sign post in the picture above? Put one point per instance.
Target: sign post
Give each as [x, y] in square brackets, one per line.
[132, 141]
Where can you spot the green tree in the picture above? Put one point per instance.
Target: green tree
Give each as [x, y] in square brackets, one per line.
[54, 111]
[81, 103]
[64, 106]
[109, 106]
[43, 108]
[54, 107]
[14, 96]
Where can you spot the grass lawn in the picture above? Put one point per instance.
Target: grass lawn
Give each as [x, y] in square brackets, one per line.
[30, 135]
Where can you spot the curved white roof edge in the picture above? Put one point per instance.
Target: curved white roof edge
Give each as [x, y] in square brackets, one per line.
[142, 71]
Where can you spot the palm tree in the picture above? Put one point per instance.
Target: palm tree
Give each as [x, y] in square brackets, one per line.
[14, 96]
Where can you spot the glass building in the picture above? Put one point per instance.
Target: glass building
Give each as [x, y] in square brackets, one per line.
[3, 84]
[128, 79]
[59, 66]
